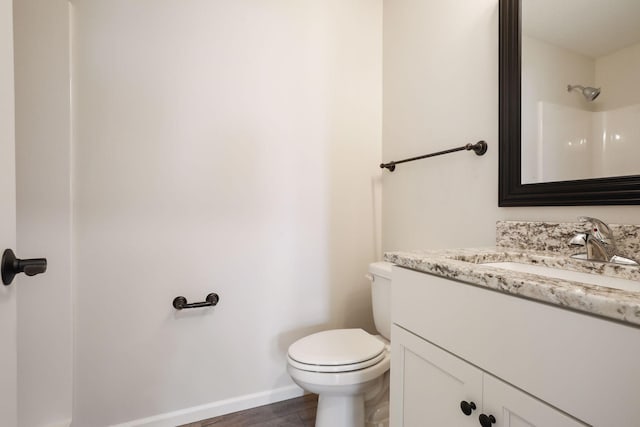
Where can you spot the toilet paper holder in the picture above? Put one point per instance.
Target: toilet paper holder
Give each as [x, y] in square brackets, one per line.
[180, 302]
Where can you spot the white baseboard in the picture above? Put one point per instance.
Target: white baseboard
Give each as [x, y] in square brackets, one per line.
[215, 409]
[65, 423]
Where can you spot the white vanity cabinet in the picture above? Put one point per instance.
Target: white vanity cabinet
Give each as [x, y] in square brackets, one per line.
[440, 389]
[523, 362]
[428, 384]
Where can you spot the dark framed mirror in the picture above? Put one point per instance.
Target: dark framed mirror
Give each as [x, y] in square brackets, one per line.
[515, 188]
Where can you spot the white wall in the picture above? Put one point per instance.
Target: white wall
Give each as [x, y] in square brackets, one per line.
[440, 91]
[573, 143]
[227, 146]
[232, 147]
[43, 210]
[618, 149]
[617, 73]
[546, 72]
[609, 148]
[566, 143]
[440, 75]
[619, 103]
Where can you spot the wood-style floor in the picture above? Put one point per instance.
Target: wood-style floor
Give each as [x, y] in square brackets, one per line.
[298, 412]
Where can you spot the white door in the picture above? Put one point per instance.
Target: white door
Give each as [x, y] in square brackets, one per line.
[430, 387]
[513, 408]
[8, 379]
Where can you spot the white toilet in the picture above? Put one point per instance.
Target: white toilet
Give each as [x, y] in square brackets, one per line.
[348, 368]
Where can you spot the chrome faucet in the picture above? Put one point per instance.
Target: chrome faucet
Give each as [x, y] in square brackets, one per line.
[599, 242]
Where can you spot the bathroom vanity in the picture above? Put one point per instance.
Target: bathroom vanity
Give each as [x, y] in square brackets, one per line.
[480, 345]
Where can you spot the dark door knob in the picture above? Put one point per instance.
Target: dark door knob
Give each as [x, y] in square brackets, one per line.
[12, 266]
[486, 420]
[467, 407]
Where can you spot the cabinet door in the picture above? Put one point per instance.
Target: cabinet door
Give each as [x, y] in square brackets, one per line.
[513, 408]
[428, 384]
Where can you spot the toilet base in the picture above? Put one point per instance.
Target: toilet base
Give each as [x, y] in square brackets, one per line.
[345, 405]
[340, 411]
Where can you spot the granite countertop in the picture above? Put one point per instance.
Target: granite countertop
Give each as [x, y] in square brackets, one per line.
[465, 265]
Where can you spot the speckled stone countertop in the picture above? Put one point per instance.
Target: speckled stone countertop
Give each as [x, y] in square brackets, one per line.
[466, 265]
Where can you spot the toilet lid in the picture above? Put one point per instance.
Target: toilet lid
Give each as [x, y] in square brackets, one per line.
[337, 350]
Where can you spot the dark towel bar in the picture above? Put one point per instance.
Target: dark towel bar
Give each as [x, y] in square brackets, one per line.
[479, 148]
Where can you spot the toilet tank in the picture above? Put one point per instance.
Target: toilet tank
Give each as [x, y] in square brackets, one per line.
[380, 276]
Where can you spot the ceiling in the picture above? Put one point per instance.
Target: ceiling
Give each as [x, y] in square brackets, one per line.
[591, 27]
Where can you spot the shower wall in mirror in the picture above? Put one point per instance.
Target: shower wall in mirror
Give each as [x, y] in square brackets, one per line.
[580, 89]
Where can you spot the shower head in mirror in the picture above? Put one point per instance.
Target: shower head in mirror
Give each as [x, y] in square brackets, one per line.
[590, 93]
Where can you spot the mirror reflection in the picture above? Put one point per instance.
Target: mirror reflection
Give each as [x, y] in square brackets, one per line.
[580, 89]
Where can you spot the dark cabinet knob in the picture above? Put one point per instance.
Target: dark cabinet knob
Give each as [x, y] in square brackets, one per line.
[487, 420]
[12, 266]
[467, 407]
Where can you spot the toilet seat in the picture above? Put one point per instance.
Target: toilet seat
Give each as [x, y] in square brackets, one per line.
[307, 379]
[338, 350]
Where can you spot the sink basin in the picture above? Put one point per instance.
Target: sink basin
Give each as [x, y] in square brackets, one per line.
[575, 276]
